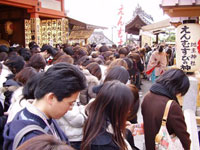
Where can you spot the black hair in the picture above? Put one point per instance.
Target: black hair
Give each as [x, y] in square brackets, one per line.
[25, 53]
[15, 63]
[160, 49]
[62, 79]
[69, 50]
[175, 80]
[117, 73]
[30, 86]
[31, 44]
[4, 48]
[49, 49]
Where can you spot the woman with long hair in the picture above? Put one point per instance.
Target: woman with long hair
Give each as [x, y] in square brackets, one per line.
[167, 87]
[107, 115]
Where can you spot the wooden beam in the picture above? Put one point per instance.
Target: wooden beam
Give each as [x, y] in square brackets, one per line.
[44, 12]
[189, 11]
[20, 3]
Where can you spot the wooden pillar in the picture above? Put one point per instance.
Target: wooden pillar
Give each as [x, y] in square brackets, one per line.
[86, 41]
[157, 38]
[35, 28]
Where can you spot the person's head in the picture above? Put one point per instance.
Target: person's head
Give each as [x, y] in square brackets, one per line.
[35, 49]
[123, 52]
[69, 50]
[15, 63]
[37, 62]
[117, 73]
[117, 62]
[4, 48]
[31, 44]
[25, 74]
[64, 58]
[30, 86]
[129, 63]
[160, 48]
[134, 57]
[25, 53]
[79, 52]
[175, 80]
[103, 48]
[94, 69]
[47, 51]
[58, 89]
[107, 54]
[44, 142]
[3, 56]
[111, 106]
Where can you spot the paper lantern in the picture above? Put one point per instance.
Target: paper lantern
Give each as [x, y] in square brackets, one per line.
[9, 27]
[188, 47]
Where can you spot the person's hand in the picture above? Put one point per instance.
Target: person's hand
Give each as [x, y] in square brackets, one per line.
[6, 113]
[130, 126]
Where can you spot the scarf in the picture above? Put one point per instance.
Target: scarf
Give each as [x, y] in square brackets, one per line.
[159, 89]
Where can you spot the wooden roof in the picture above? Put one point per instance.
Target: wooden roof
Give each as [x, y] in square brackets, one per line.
[181, 8]
[135, 25]
[81, 30]
[140, 18]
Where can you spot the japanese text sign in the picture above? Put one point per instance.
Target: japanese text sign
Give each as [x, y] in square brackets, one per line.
[188, 47]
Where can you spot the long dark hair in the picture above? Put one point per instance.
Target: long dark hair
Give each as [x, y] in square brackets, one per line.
[113, 104]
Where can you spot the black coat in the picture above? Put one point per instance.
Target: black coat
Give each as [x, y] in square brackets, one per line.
[104, 141]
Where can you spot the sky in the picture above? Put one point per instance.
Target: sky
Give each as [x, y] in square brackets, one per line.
[104, 12]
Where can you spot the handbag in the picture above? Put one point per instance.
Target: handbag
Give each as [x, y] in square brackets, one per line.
[164, 141]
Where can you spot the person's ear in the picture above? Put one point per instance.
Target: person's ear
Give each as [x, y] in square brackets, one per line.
[50, 98]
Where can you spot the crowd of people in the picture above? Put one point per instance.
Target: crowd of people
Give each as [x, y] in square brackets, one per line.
[86, 97]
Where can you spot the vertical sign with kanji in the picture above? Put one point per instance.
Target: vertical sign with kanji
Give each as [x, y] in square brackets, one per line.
[188, 47]
[120, 25]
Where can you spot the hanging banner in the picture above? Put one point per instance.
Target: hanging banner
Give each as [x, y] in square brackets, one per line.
[120, 25]
[188, 47]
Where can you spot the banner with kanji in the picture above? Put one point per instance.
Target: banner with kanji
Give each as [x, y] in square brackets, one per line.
[120, 25]
[188, 47]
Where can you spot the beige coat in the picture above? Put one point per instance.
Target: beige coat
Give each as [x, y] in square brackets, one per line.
[156, 58]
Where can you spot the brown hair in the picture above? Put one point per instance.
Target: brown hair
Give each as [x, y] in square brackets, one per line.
[107, 55]
[44, 142]
[25, 74]
[94, 69]
[78, 53]
[134, 56]
[117, 62]
[111, 105]
[136, 103]
[37, 62]
[64, 58]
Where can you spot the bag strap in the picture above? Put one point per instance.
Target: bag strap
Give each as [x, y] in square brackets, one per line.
[23, 132]
[164, 119]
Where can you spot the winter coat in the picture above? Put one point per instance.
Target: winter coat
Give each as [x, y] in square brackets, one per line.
[17, 103]
[153, 107]
[156, 58]
[23, 119]
[104, 140]
[72, 123]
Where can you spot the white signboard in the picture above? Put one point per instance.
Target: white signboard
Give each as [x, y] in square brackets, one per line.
[51, 4]
[188, 47]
